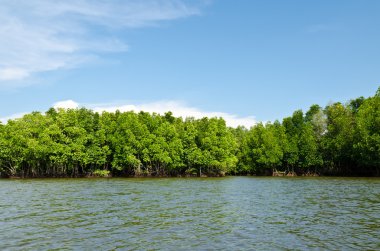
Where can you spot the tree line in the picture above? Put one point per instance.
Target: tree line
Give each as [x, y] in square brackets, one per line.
[339, 139]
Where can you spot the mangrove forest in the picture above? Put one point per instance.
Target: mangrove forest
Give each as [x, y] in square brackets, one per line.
[339, 139]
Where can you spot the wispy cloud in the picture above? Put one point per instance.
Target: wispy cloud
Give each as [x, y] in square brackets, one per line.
[42, 35]
[178, 108]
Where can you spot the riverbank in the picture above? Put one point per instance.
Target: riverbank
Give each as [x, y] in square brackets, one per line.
[286, 175]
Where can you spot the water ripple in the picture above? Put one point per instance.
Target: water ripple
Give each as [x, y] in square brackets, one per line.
[235, 213]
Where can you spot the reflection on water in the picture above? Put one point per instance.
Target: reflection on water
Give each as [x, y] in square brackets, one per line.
[233, 213]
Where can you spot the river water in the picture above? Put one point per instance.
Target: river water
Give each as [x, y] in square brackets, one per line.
[232, 213]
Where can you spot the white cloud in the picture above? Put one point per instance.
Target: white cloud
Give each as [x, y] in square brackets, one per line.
[43, 35]
[4, 120]
[66, 104]
[179, 109]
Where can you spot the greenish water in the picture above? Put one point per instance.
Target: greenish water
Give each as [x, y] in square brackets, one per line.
[232, 213]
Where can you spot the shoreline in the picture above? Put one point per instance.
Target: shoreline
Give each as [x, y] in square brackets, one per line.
[185, 177]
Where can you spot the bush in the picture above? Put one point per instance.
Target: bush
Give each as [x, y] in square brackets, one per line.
[101, 173]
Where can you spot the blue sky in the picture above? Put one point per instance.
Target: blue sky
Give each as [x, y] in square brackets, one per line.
[244, 60]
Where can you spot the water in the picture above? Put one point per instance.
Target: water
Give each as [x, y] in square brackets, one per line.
[233, 213]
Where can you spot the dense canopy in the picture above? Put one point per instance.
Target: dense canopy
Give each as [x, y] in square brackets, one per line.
[340, 139]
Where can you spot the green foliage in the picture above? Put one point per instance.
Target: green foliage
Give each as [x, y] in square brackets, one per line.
[101, 173]
[79, 142]
[339, 139]
[367, 144]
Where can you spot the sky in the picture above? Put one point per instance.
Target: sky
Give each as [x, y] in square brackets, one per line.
[247, 61]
